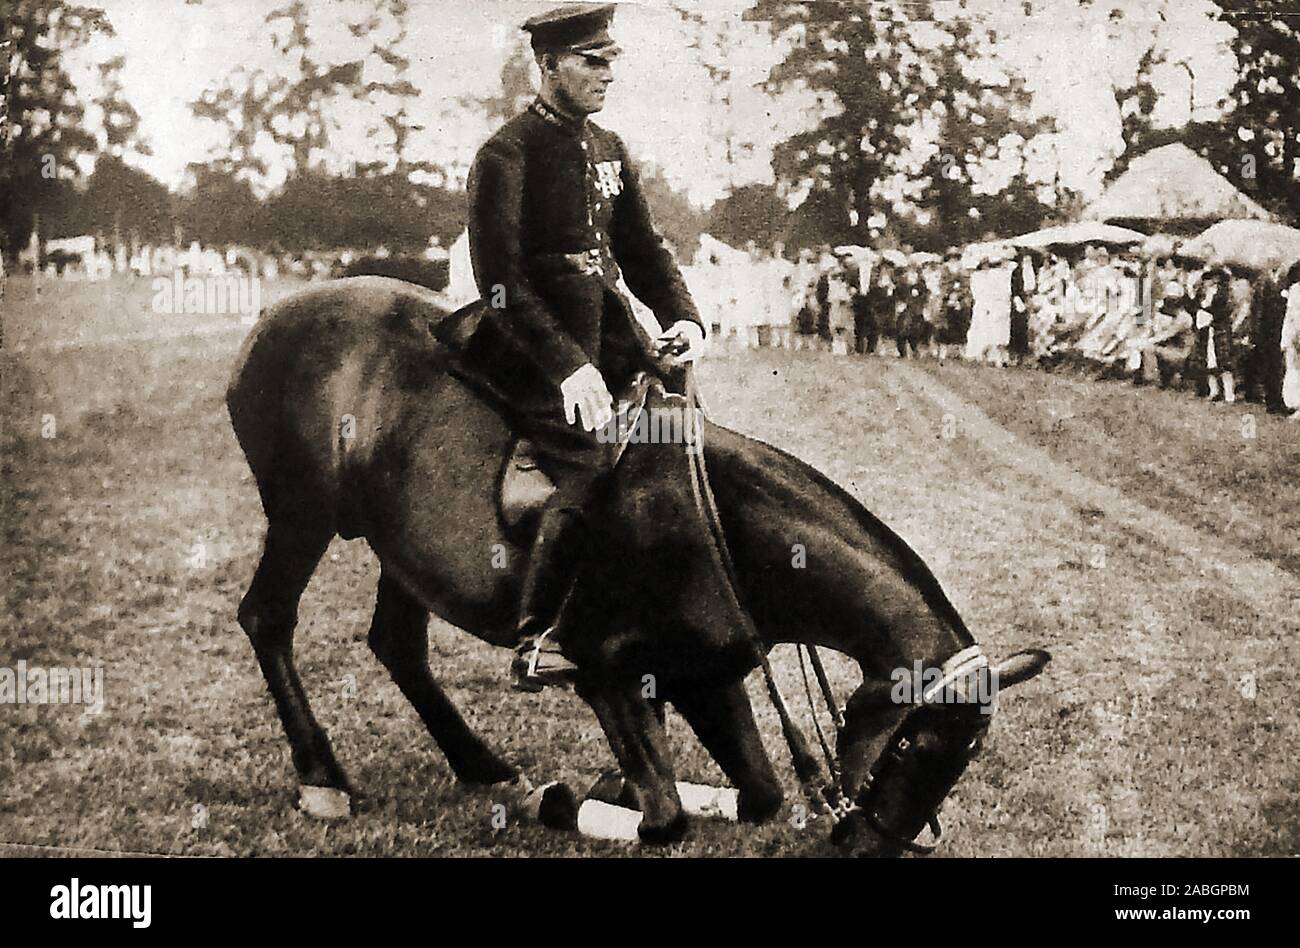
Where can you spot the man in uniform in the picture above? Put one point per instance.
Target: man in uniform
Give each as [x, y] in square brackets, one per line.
[556, 211]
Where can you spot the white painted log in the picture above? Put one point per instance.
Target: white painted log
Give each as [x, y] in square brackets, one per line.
[700, 799]
[606, 821]
[324, 803]
[601, 820]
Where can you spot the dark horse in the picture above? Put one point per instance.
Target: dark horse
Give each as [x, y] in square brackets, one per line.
[352, 423]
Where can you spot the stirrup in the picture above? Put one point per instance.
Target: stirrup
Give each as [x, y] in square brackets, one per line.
[538, 667]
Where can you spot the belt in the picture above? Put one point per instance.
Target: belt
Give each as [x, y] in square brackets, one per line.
[587, 262]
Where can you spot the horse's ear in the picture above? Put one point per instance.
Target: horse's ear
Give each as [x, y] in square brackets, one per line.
[1021, 666]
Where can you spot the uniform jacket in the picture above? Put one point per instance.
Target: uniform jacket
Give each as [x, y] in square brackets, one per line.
[556, 212]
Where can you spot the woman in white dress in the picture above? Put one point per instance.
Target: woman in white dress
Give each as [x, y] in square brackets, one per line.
[1291, 343]
[990, 324]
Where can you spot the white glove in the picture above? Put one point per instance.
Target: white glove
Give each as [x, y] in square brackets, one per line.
[683, 333]
[585, 391]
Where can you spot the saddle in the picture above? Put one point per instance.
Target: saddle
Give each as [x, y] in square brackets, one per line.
[524, 487]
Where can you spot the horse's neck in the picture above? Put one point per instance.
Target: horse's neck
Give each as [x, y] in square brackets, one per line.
[786, 541]
[817, 567]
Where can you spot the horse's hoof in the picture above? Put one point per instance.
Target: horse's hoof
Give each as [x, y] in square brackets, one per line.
[486, 772]
[558, 807]
[324, 803]
[760, 806]
[672, 832]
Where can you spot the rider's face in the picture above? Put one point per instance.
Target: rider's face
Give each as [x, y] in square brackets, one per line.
[580, 82]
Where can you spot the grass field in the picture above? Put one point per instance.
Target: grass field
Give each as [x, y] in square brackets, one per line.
[1150, 541]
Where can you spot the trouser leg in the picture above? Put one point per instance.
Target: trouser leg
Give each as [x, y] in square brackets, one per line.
[553, 562]
[551, 566]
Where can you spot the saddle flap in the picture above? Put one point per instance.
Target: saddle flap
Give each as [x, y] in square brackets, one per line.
[524, 486]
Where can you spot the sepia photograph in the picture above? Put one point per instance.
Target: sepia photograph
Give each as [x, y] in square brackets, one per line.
[714, 429]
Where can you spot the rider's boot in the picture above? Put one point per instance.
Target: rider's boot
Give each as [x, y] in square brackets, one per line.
[549, 577]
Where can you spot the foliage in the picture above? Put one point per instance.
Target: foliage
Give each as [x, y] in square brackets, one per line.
[46, 133]
[884, 77]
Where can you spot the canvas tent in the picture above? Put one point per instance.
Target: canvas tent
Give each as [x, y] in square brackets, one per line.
[1172, 189]
[1083, 232]
[1256, 245]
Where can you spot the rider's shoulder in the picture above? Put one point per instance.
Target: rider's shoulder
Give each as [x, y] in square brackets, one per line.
[606, 137]
[512, 138]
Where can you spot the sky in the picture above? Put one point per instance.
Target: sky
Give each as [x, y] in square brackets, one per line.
[661, 103]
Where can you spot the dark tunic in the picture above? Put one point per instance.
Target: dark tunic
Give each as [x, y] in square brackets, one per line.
[556, 211]
[1018, 344]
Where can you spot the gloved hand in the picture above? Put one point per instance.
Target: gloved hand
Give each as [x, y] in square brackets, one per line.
[683, 341]
[585, 391]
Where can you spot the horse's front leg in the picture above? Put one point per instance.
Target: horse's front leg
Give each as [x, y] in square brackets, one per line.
[723, 720]
[640, 744]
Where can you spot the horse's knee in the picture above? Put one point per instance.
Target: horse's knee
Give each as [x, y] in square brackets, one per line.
[268, 625]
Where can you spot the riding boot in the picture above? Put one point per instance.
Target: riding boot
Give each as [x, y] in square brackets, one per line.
[546, 584]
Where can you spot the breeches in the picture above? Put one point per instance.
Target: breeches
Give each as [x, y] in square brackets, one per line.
[573, 458]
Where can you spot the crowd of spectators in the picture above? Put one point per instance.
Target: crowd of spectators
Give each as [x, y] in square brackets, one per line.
[1157, 318]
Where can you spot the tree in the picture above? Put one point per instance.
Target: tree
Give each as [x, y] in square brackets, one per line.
[906, 131]
[290, 111]
[862, 66]
[1259, 150]
[754, 212]
[978, 122]
[516, 89]
[46, 133]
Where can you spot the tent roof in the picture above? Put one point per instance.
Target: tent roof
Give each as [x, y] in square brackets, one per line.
[1173, 183]
[1083, 232]
[1256, 245]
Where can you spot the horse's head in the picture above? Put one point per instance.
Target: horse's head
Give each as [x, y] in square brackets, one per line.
[900, 793]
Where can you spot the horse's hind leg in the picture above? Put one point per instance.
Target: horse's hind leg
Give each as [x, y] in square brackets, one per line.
[399, 638]
[268, 614]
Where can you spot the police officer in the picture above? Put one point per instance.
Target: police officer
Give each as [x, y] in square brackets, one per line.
[556, 212]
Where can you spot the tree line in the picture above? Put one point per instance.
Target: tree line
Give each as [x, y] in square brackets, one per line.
[881, 72]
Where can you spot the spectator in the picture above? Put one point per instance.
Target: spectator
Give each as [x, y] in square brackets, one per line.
[1290, 342]
[1022, 280]
[839, 302]
[1262, 364]
[881, 301]
[912, 329]
[866, 330]
[1214, 333]
[955, 321]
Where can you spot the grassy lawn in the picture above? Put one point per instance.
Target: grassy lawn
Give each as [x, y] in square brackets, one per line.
[1150, 541]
